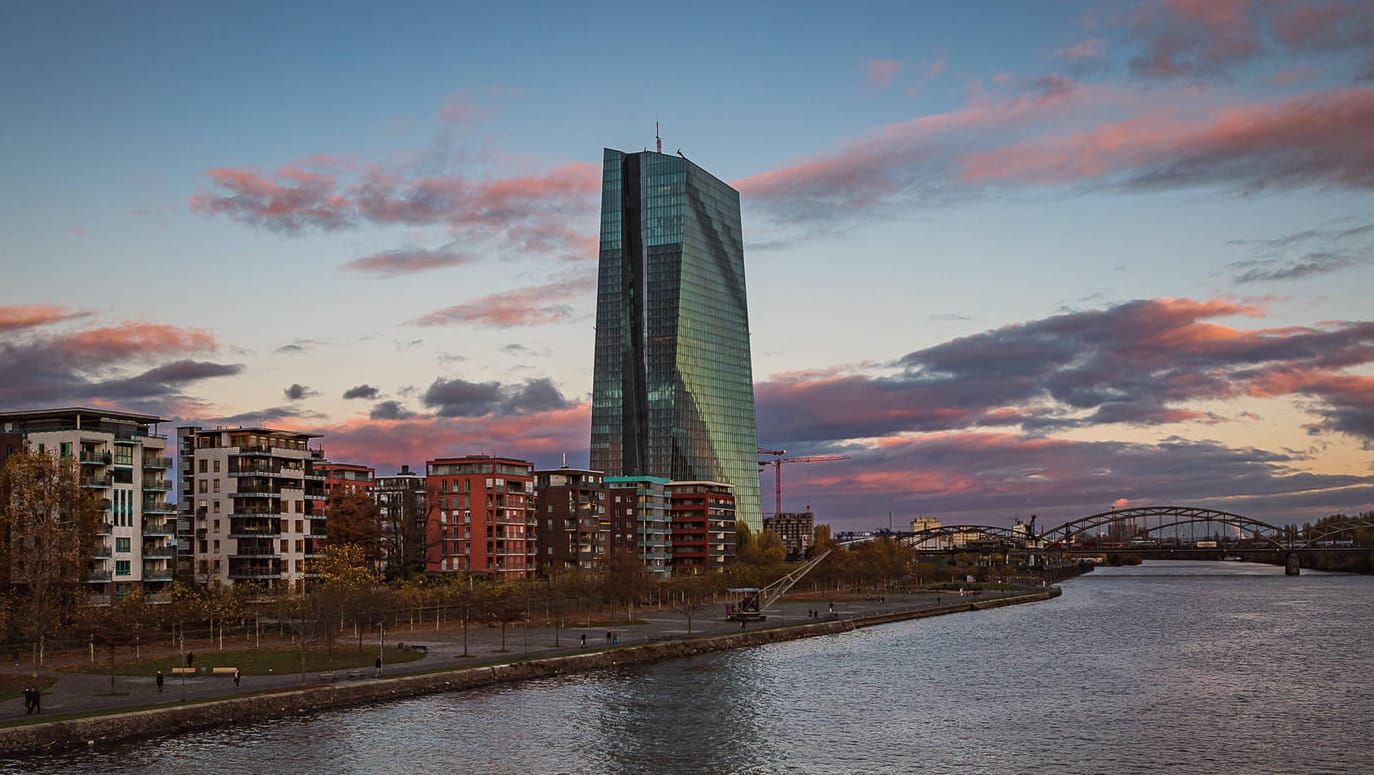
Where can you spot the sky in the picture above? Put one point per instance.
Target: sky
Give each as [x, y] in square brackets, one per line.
[1010, 258]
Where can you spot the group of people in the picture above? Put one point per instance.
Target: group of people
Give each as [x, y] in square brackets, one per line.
[31, 699]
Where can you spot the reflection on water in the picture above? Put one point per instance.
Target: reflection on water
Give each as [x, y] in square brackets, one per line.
[1184, 667]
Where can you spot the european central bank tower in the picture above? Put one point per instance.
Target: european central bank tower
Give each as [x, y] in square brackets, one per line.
[673, 384]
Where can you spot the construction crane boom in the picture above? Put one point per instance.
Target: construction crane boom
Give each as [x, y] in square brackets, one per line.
[776, 463]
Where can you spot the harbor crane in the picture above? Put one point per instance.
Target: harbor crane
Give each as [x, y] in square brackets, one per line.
[776, 463]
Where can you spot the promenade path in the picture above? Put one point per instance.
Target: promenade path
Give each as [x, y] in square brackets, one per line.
[75, 692]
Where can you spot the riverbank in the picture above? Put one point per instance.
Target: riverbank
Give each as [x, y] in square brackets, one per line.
[657, 644]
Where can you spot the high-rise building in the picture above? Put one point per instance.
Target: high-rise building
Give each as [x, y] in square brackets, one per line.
[796, 529]
[122, 457]
[401, 502]
[673, 385]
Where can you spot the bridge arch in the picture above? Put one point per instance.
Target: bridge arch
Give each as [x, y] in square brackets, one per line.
[1003, 536]
[1068, 532]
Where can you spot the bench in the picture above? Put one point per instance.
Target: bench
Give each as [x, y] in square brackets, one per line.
[224, 670]
[356, 675]
[183, 671]
[328, 677]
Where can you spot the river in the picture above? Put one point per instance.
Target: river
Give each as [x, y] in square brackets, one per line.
[1184, 667]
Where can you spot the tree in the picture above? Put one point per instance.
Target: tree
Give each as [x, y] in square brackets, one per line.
[343, 580]
[690, 594]
[355, 518]
[404, 536]
[820, 541]
[49, 526]
[625, 580]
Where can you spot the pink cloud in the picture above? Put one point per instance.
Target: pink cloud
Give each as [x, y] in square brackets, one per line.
[409, 261]
[1194, 38]
[1315, 139]
[1092, 48]
[881, 71]
[1294, 76]
[21, 316]
[135, 340]
[534, 306]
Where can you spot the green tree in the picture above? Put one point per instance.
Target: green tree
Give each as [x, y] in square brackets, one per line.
[48, 523]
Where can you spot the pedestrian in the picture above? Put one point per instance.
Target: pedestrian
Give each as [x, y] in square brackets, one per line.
[584, 640]
[741, 624]
[237, 675]
[160, 679]
[28, 700]
[190, 658]
[608, 637]
[379, 667]
[37, 695]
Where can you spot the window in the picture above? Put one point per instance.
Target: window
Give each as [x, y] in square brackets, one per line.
[300, 507]
[204, 487]
[285, 545]
[216, 546]
[217, 483]
[204, 465]
[217, 530]
[216, 465]
[121, 544]
[121, 567]
[300, 545]
[300, 526]
[216, 507]
[66, 450]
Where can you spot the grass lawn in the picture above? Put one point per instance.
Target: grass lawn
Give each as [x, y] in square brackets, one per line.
[12, 685]
[263, 661]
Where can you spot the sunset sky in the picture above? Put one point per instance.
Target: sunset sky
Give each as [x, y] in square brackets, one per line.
[1011, 258]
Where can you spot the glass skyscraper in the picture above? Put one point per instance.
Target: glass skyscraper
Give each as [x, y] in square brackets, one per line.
[673, 384]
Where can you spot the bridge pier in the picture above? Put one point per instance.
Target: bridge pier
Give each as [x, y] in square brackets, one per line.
[1291, 566]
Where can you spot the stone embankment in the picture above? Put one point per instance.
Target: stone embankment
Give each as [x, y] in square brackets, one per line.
[72, 733]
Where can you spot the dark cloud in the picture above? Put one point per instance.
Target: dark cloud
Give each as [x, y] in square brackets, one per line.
[1139, 363]
[1310, 265]
[1194, 40]
[407, 261]
[390, 410]
[298, 346]
[361, 391]
[460, 398]
[298, 392]
[1318, 251]
[268, 416]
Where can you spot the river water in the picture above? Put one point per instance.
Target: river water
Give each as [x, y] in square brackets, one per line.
[1179, 667]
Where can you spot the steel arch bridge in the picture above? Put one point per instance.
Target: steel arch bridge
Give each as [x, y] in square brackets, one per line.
[1165, 517]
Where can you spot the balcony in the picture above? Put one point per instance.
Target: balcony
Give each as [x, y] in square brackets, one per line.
[254, 571]
[158, 507]
[159, 527]
[254, 532]
[97, 577]
[96, 458]
[155, 461]
[157, 574]
[158, 486]
[101, 553]
[256, 492]
[158, 553]
[103, 528]
[97, 481]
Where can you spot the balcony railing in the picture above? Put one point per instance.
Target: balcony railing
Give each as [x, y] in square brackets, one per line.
[97, 481]
[156, 461]
[254, 532]
[159, 527]
[162, 486]
[157, 574]
[97, 577]
[96, 458]
[159, 553]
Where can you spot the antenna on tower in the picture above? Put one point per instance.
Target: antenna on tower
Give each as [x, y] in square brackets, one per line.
[658, 140]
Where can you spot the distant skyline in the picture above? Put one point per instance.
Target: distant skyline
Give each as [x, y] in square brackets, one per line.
[1013, 259]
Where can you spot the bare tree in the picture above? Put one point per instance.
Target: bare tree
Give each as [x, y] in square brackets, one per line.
[49, 526]
[690, 594]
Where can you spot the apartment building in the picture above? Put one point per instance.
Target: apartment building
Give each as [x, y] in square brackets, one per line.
[796, 529]
[480, 516]
[702, 525]
[574, 528]
[401, 505]
[122, 457]
[638, 509]
[253, 501]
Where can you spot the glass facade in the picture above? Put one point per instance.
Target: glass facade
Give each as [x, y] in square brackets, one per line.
[673, 383]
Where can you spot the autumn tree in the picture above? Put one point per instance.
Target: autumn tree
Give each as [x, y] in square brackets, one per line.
[48, 522]
[690, 594]
[625, 580]
[355, 518]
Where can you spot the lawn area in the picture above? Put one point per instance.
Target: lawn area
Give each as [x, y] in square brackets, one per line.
[262, 661]
[12, 684]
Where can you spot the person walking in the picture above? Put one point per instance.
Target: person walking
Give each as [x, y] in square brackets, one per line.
[237, 675]
[159, 680]
[37, 696]
[190, 658]
[584, 640]
[28, 700]
[379, 667]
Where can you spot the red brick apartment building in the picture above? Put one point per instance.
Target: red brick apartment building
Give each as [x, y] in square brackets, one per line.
[480, 515]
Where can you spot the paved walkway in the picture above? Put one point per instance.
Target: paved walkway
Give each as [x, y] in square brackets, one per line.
[84, 692]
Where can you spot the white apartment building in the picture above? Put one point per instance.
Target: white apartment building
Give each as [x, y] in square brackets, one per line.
[252, 504]
[122, 457]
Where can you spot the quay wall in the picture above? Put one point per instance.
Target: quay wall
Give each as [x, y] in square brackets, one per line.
[74, 733]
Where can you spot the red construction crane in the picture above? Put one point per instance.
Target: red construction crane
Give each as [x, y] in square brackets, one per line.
[777, 469]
